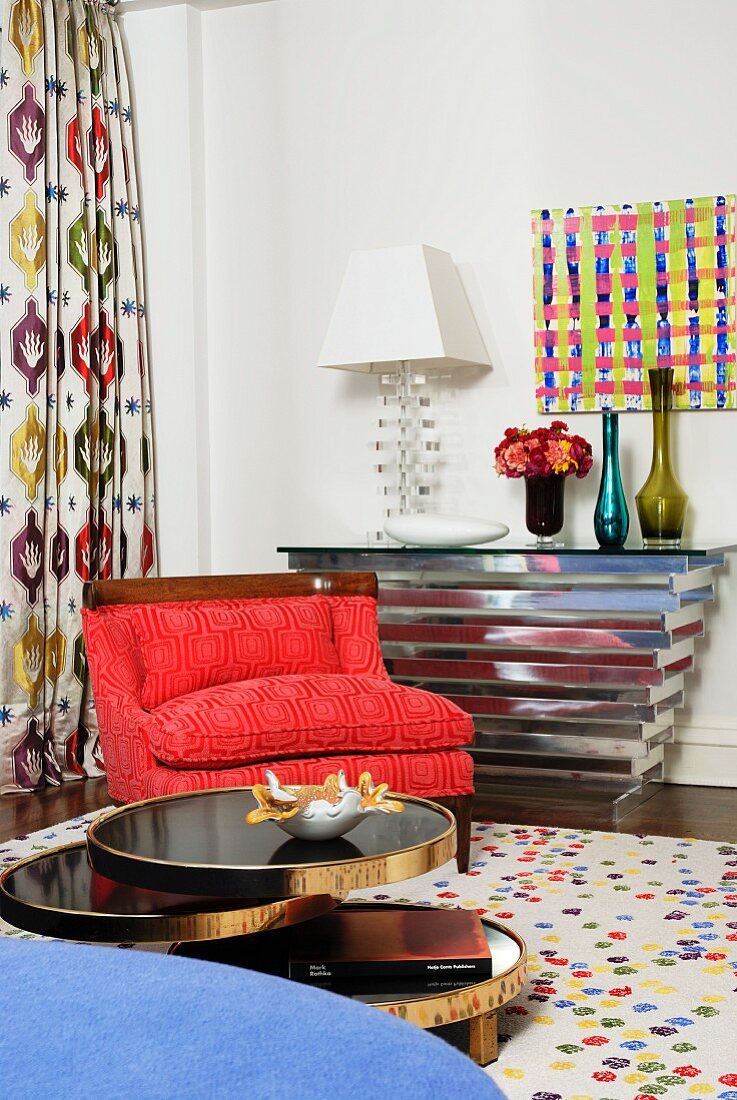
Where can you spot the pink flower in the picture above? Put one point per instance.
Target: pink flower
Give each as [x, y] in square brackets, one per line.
[516, 456]
[558, 455]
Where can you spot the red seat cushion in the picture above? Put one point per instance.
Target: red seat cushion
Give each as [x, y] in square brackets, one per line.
[193, 645]
[285, 716]
[428, 774]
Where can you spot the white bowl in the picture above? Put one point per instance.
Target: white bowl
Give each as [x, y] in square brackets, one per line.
[431, 529]
[320, 811]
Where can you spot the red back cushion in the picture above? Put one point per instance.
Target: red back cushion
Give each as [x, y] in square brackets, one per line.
[189, 646]
[356, 635]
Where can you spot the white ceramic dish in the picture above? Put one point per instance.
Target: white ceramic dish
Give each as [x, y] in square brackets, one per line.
[432, 529]
[321, 812]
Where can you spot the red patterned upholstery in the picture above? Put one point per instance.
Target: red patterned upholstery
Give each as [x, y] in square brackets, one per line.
[117, 675]
[423, 773]
[302, 716]
[190, 646]
[356, 635]
[353, 716]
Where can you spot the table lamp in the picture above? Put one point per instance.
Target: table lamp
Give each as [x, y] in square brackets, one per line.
[403, 313]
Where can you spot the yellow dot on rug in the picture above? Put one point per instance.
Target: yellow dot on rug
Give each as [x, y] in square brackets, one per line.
[664, 989]
[652, 946]
[633, 871]
[635, 1078]
[634, 1033]
[702, 1089]
[514, 1074]
[551, 939]
[587, 1025]
[581, 1097]
[562, 1065]
[652, 984]
[610, 1002]
[542, 1020]
[717, 968]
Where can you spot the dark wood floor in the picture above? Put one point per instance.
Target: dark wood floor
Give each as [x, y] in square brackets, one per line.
[708, 813]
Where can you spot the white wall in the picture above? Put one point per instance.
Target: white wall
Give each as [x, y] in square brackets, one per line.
[330, 125]
[164, 49]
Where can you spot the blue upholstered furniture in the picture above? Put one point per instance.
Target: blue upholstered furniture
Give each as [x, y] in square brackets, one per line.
[84, 1022]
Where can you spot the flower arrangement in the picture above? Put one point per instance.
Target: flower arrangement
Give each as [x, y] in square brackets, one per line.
[543, 452]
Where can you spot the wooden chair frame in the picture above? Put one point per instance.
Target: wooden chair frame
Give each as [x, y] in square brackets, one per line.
[259, 586]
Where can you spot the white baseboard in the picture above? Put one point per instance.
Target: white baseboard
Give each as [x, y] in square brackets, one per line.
[703, 754]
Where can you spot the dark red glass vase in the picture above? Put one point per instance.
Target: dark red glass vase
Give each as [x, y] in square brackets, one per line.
[544, 506]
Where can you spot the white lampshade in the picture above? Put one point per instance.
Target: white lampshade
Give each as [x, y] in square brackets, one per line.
[398, 304]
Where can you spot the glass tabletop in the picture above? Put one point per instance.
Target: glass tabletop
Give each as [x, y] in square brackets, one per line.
[523, 544]
[200, 843]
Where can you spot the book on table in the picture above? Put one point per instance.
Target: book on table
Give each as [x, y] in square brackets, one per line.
[443, 946]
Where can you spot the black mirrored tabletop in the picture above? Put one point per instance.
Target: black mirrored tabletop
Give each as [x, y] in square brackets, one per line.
[414, 1000]
[199, 843]
[56, 893]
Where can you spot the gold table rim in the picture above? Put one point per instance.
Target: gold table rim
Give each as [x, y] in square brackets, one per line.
[294, 868]
[221, 923]
[463, 997]
[470, 1001]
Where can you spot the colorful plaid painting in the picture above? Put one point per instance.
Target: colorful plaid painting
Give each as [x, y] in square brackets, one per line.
[621, 289]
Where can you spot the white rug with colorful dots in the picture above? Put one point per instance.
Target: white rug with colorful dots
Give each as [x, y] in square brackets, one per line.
[632, 943]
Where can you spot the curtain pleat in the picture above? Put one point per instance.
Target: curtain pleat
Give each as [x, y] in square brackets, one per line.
[76, 453]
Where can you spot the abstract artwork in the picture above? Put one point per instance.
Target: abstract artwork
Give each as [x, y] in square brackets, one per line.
[621, 289]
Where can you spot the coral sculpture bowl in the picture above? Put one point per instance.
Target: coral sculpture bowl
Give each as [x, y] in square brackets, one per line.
[320, 812]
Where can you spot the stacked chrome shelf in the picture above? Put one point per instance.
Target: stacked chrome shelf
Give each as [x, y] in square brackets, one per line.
[571, 660]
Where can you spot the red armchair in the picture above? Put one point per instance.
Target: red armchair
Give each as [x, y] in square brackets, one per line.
[205, 682]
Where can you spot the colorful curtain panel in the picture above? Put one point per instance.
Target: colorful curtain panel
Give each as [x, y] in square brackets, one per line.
[619, 290]
[76, 479]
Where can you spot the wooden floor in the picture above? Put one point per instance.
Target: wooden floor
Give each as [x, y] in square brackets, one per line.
[708, 813]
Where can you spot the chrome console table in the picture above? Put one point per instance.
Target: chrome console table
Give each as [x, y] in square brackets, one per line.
[571, 660]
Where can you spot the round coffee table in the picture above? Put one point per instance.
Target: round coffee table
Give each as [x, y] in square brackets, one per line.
[199, 843]
[188, 868]
[475, 1005]
[56, 893]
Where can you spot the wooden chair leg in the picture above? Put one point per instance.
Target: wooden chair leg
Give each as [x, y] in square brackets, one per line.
[464, 805]
[461, 806]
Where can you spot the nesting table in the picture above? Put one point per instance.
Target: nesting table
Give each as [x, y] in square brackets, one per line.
[186, 870]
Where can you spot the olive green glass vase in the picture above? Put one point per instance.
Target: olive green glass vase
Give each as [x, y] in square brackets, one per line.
[661, 502]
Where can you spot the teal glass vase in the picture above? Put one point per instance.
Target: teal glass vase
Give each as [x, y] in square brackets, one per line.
[611, 518]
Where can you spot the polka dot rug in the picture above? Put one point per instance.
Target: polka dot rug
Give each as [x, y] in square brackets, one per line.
[632, 942]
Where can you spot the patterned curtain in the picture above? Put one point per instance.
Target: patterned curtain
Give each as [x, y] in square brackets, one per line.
[76, 474]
